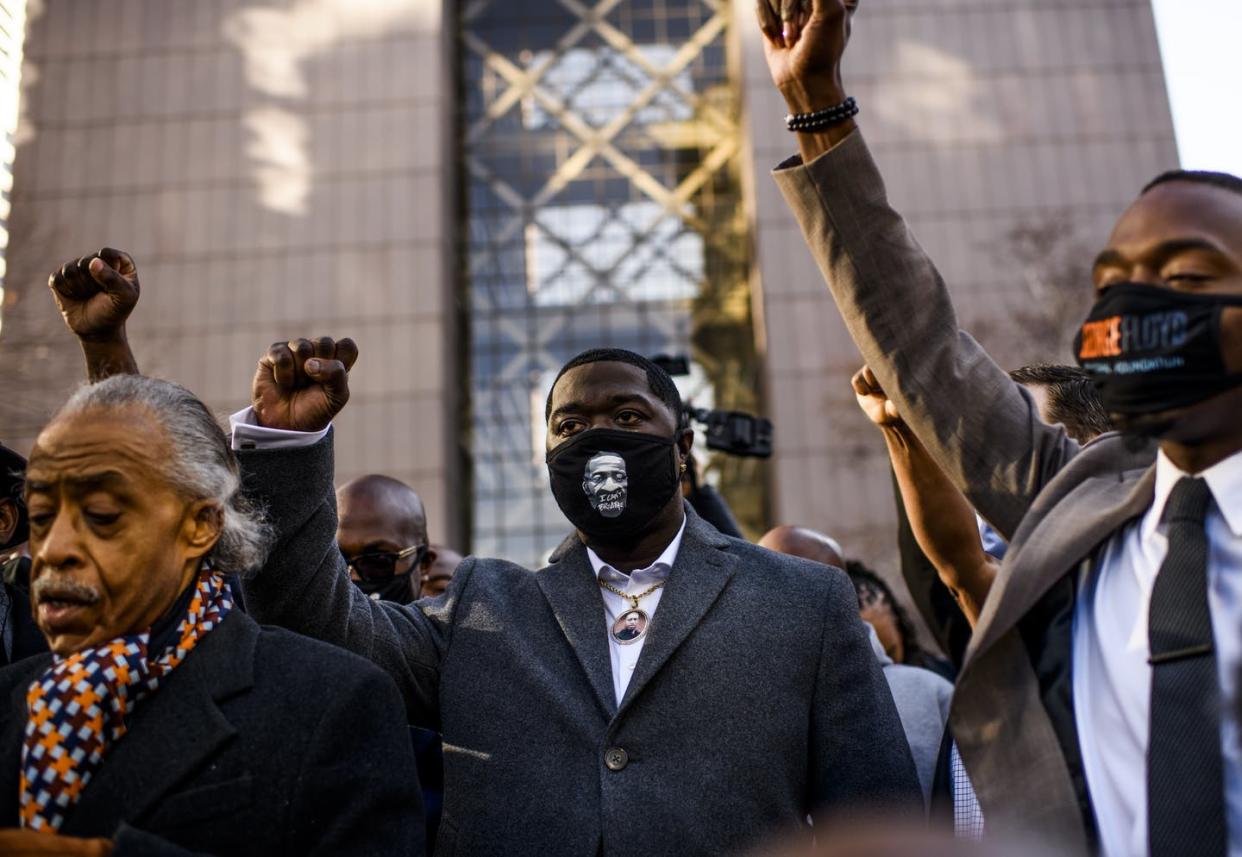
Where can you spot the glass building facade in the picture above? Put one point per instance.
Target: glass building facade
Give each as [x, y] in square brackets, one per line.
[602, 206]
[12, 34]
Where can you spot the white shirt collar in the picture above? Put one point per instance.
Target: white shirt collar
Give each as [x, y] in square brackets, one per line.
[1224, 479]
[664, 563]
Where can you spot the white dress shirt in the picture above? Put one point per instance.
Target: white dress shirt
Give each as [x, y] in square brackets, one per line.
[248, 434]
[1111, 676]
[625, 655]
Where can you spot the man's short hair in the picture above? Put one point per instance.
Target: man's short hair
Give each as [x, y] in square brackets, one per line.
[1073, 400]
[660, 382]
[1224, 181]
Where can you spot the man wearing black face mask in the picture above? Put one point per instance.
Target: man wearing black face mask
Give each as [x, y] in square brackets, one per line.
[559, 739]
[381, 530]
[1097, 701]
[564, 740]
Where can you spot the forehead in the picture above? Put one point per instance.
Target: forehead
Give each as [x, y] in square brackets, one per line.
[1178, 210]
[597, 384]
[606, 460]
[365, 515]
[128, 441]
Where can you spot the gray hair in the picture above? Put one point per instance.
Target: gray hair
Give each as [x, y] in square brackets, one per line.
[202, 466]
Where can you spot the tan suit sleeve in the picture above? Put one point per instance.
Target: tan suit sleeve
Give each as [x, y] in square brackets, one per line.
[982, 428]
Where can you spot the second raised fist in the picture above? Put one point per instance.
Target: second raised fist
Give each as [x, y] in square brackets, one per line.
[302, 384]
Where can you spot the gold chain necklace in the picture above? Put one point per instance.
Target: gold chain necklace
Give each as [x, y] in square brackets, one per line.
[633, 599]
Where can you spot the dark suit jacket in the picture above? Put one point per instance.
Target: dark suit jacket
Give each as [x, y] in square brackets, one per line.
[27, 638]
[720, 739]
[1057, 503]
[260, 743]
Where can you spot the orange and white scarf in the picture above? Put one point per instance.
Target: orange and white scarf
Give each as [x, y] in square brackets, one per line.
[78, 708]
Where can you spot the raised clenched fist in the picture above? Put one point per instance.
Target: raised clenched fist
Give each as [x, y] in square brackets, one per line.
[804, 41]
[96, 294]
[302, 384]
[874, 402]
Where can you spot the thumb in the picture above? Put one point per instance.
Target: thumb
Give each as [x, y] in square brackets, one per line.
[332, 376]
[111, 281]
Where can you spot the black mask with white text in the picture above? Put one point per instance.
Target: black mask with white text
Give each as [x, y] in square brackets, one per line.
[612, 483]
[1150, 349]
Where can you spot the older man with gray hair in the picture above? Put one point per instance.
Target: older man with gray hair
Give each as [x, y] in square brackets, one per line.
[237, 739]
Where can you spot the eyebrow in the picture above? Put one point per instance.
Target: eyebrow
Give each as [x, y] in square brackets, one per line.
[1162, 251]
[614, 400]
[100, 479]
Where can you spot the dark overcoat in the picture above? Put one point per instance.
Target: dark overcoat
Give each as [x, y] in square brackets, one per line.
[756, 700]
[259, 743]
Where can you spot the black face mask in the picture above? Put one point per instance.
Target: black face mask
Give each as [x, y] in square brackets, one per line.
[398, 589]
[1152, 349]
[612, 483]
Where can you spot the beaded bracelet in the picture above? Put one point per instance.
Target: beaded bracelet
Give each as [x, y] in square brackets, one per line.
[821, 119]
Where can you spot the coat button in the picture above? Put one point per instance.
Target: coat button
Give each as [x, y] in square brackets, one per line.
[616, 759]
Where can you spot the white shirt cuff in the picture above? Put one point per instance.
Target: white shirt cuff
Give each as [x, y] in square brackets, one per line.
[248, 434]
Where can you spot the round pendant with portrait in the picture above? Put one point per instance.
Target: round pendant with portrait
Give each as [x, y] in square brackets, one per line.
[630, 627]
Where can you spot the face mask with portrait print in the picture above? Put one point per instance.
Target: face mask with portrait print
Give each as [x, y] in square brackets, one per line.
[1151, 349]
[612, 483]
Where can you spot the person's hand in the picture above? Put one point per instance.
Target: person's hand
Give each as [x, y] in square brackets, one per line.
[96, 294]
[32, 843]
[878, 407]
[301, 385]
[804, 41]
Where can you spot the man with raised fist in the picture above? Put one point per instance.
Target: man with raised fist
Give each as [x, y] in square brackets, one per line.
[1097, 703]
[756, 699]
[166, 721]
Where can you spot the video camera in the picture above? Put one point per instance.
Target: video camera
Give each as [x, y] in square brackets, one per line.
[731, 432]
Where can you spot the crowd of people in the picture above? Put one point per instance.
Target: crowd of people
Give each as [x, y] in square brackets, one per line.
[211, 648]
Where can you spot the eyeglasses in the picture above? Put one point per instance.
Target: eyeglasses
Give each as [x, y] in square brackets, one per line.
[383, 566]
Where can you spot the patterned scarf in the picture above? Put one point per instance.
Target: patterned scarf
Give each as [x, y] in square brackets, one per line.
[77, 709]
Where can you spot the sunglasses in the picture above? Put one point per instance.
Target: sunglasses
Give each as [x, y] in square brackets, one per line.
[383, 566]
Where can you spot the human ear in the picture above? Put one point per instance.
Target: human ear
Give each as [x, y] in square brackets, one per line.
[1231, 338]
[8, 520]
[203, 521]
[684, 442]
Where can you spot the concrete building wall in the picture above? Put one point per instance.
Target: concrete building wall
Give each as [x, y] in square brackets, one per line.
[277, 170]
[1011, 133]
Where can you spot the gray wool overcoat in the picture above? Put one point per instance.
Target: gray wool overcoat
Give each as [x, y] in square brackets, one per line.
[756, 700]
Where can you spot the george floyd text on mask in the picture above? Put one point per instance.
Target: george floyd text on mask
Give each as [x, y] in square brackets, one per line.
[1151, 349]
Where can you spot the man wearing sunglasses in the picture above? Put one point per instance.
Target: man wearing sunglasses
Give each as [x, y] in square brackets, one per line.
[382, 533]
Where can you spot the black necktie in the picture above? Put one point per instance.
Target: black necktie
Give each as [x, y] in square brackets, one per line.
[1185, 782]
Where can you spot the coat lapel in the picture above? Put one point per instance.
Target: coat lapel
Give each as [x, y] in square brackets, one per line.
[1069, 533]
[699, 575]
[568, 583]
[172, 732]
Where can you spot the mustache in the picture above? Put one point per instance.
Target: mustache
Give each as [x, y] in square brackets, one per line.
[63, 588]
